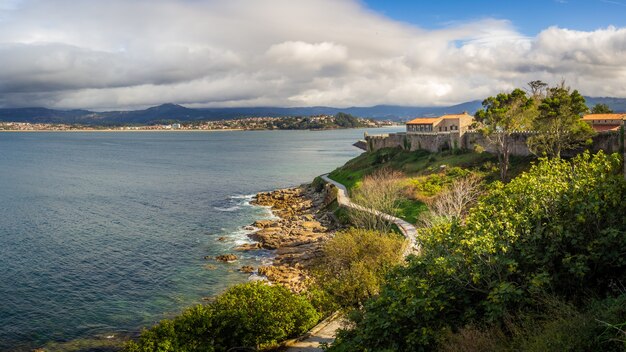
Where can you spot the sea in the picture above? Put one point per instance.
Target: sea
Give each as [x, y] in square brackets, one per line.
[102, 233]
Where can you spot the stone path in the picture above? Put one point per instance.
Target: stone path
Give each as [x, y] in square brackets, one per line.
[409, 231]
[325, 331]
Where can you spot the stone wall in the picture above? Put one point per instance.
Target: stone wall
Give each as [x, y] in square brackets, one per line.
[519, 147]
[608, 141]
[430, 141]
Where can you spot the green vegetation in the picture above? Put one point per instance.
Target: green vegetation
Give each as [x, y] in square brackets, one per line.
[601, 109]
[340, 120]
[354, 263]
[254, 315]
[553, 234]
[503, 115]
[559, 125]
[425, 175]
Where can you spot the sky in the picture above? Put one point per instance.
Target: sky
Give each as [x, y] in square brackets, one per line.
[130, 54]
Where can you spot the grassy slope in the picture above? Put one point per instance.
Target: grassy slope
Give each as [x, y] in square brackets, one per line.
[417, 164]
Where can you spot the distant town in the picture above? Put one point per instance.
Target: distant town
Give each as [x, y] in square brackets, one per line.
[319, 122]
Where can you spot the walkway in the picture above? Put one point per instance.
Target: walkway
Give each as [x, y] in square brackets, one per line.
[325, 331]
[409, 231]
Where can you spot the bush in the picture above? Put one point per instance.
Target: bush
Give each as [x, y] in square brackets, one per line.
[254, 314]
[554, 326]
[354, 263]
[558, 228]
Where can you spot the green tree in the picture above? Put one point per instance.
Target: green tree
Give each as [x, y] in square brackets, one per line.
[559, 125]
[501, 116]
[601, 109]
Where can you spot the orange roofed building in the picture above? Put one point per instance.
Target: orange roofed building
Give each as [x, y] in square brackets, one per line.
[445, 123]
[605, 122]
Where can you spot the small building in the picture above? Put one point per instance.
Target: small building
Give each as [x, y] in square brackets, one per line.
[605, 122]
[445, 123]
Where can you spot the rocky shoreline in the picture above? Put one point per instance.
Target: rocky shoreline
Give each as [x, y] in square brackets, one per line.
[296, 236]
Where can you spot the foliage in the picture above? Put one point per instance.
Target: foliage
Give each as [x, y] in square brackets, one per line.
[558, 228]
[601, 109]
[378, 192]
[559, 125]
[555, 325]
[501, 116]
[354, 263]
[348, 121]
[254, 314]
[454, 203]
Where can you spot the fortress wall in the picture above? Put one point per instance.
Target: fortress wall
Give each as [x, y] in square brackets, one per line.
[433, 142]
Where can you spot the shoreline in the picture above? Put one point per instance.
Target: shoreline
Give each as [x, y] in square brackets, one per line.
[113, 130]
[296, 235]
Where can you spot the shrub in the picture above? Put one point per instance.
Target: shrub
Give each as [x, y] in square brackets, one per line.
[253, 314]
[380, 191]
[354, 263]
[558, 228]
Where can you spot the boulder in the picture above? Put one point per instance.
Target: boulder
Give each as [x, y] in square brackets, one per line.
[228, 258]
[248, 247]
[247, 269]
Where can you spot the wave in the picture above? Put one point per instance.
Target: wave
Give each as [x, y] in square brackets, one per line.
[228, 209]
[244, 199]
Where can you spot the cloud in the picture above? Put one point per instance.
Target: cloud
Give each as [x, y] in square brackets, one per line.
[136, 53]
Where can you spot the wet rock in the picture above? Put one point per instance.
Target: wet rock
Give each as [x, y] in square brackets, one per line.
[248, 247]
[247, 269]
[222, 239]
[228, 258]
[263, 223]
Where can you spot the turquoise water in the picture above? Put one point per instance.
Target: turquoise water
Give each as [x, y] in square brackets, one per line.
[102, 233]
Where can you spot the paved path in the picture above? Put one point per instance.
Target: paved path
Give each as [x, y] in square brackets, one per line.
[409, 231]
[325, 331]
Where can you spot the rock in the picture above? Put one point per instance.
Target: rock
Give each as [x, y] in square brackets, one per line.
[222, 239]
[248, 247]
[263, 223]
[210, 267]
[247, 269]
[228, 258]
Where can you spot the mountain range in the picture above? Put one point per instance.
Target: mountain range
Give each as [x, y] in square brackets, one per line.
[174, 112]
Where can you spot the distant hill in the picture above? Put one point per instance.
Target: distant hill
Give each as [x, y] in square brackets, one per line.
[173, 112]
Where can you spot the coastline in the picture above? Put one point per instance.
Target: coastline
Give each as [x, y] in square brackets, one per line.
[296, 235]
[113, 130]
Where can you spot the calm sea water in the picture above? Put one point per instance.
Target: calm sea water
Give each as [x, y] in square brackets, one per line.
[102, 233]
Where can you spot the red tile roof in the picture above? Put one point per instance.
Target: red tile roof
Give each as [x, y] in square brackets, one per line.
[591, 117]
[431, 120]
[424, 120]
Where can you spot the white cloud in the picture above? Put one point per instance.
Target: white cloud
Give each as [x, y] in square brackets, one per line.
[135, 53]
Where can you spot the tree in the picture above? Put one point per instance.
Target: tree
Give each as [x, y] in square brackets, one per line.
[454, 203]
[601, 109]
[537, 89]
[501, 116]
[559, 125]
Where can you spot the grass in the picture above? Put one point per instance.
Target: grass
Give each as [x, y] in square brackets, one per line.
[427, 173]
